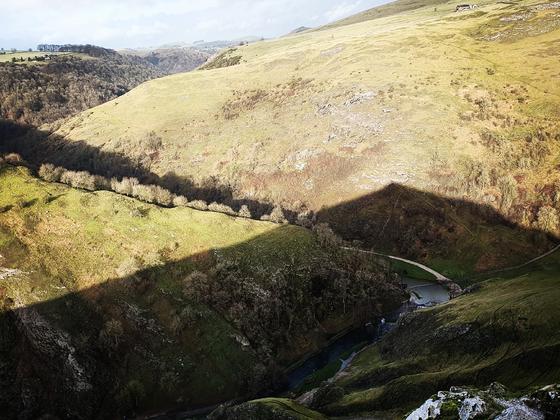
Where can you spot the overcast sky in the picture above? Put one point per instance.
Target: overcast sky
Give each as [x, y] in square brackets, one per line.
[137, 23]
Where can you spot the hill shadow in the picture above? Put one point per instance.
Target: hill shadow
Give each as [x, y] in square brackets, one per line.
[137, 343]
[456, 236]
[39, 146]
[397, 219]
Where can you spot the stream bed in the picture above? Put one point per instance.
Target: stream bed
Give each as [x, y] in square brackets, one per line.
[422, 294]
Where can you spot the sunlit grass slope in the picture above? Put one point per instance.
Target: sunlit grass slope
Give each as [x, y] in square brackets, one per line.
[459, 104]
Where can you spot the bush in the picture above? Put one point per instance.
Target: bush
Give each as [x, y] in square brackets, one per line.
[82, 179]
[180, 201]
[305, 219]
[326, 236]
[548, 220]
[245, 212]
[277, 215]
[50, 173]
[198, 205]
[162, 196]
[125, 186]
[144, 193]
[13, 159]
[111, 334]
[197, 286]
[221, 208]
[508, 188]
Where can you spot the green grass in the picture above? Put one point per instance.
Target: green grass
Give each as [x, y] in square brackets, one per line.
[405, 269]
[285, 407]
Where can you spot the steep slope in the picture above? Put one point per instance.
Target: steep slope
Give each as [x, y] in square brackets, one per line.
[438, 101]
[42, 88]
[109, 305]
[493, 333]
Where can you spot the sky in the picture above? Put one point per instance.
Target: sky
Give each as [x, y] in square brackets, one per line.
[143, 23]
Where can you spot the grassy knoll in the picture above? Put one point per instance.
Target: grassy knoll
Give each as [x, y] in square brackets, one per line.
[462, 105]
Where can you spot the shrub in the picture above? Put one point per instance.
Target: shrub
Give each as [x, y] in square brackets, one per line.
[305, 219]
[277, 215]
[102, 183]
[125, 186]
[245, 212]
[82, 179]
[111, 334]
[197, 286]
[50, 173]
[508, 188]
[13, 159]
[144, 193]
[326, 236]
[162, 196]
[180, 201]
[221, 208]
[198, 205]
[548, 220]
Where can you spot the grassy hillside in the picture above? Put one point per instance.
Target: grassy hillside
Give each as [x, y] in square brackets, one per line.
[461, 105]
[129, 306]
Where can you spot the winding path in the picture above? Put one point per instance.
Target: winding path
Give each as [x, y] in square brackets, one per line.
[438, 276]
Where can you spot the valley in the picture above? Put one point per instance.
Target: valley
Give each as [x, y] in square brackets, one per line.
[355, 220]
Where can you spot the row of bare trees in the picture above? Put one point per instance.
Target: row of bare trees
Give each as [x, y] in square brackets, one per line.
[155, 194]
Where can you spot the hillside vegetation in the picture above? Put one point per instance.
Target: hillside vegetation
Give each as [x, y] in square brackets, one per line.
[41, 88]
[493, 333]
[110, 305]
[459, 105]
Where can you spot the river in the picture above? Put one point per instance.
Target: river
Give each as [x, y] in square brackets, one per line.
[422, 294]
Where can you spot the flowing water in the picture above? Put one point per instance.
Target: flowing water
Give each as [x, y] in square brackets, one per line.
[422, 294]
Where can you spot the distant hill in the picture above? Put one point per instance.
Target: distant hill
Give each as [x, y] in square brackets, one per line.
[43, 87]
[173, 60]
[300, 30]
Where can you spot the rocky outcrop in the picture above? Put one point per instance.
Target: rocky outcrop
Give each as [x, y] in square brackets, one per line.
[492, 402]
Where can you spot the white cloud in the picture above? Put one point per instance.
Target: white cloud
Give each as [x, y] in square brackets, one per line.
[343, 10]
[129, 23]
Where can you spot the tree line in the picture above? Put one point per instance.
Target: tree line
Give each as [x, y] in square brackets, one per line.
[153, 194]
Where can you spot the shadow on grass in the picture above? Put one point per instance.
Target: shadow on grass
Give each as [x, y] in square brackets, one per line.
[457, 237]
[38, 147]
[136, 343]
[63, 356]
